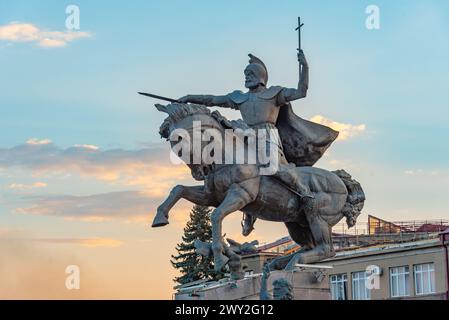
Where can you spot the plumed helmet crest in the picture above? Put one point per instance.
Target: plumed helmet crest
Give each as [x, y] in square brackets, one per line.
[259, 69]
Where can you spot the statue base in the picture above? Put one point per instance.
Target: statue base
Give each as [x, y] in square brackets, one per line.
[308, 284]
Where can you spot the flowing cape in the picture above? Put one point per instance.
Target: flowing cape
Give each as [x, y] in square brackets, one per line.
[304, 142]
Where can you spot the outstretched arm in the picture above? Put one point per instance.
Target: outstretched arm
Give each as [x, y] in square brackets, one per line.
[208, 100]
[303, 84]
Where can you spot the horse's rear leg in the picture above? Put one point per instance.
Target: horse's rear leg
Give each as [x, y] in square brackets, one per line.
[302, 236]
[322, 238]
[194, 194]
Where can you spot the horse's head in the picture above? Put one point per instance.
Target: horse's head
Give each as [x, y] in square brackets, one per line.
[181, 128]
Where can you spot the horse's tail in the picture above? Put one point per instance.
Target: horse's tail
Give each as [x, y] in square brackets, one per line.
[356, 197]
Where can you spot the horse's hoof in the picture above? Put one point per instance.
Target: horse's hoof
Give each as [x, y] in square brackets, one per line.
[220, 262]
[159, 221]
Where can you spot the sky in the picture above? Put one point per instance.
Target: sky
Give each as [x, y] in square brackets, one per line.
[83, 168]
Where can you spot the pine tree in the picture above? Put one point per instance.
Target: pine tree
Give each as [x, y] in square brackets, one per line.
[193, 266]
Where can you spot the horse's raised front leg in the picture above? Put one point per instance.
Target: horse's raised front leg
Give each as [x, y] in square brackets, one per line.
[194, 194]
[238, 196]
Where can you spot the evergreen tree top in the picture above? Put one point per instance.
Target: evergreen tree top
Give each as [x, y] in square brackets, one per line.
[191, 265]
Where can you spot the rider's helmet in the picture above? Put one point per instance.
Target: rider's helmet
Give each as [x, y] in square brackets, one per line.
[258, 68]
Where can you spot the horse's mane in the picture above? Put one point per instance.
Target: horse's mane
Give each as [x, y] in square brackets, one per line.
[179, 111]
[176, 112]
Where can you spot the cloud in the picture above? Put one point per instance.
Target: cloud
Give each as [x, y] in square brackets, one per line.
[34, 141]
[429, 172]
[121, 205]
[148, 168]
[19, 186]
[413, 172]
[52, 43]
[32, 269]
[85, 242]
[27, 32]
[86, 146]
[147, 171]
[346, 130]
[29, 270]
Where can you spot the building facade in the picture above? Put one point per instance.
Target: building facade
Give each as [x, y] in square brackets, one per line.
[413, 270]
[399, 270]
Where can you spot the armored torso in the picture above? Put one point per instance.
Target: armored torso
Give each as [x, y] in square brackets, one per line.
[260, 110]
[257, 108]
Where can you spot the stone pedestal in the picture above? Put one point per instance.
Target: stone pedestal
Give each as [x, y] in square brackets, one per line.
[308, 284]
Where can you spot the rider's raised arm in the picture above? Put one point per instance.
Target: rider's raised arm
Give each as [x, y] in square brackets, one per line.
[209, 100]
[287, 94]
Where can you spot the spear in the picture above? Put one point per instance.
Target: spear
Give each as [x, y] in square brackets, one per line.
[158, 97]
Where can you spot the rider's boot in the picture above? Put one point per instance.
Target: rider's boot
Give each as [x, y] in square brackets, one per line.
[290, 177]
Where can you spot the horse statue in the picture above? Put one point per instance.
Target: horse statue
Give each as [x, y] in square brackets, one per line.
[240, 187]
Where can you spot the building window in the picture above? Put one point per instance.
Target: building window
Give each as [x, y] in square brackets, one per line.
[399, 282]
[424, 278]
[339, 283]
[360, 289]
